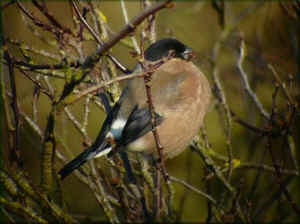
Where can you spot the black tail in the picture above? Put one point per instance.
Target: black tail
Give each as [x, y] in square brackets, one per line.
[99, 145]
[75, 163]
[83, 157]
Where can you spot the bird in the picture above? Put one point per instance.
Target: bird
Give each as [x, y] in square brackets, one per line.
[180, 94]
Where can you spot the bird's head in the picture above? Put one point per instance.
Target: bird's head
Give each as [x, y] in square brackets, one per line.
[164, 47]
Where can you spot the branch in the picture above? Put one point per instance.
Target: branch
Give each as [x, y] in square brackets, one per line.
[245, 82]
[48, 66]
[51, 18]
[100, 42]
[37, 22]
[247, 125]
[133, 39]
[93, 89]
[129, 28]
[220, 94]
[282, 86]
[192, 188]
[92, 59]
[15, 154]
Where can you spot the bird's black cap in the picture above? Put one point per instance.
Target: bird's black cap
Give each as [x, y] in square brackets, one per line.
[162, 48]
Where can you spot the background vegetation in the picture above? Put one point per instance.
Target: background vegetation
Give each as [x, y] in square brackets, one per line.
[243, 166]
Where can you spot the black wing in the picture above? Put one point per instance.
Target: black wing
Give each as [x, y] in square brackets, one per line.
[138, 124]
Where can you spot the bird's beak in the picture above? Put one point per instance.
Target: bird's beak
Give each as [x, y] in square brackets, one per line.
[188, 54]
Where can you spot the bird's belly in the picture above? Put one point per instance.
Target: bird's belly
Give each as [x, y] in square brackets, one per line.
[138, 145]
[183, 115]
[173, 136]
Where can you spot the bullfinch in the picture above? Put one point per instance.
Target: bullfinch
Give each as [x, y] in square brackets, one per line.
[180, 95]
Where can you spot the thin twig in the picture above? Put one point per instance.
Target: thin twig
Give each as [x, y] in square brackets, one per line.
[188, 165]
[282, 86]
[36, 51]
[211, 165]
[151, 24]
[104, 201]
[86, 112]
[33, 124]
[37, 84]
[133, 39]
[292, 151]
[128, 28]
[77, 124]
[92, 59]
[90, 29]
[219, 91]
[51, 18]
[192, 188]
[245, 82]
[247, 125]
[94, 89]
[260, 167]
[47, 66]
[37, 22]
[270, 149]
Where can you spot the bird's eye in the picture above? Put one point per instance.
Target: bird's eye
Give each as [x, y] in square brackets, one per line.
[171, 53]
